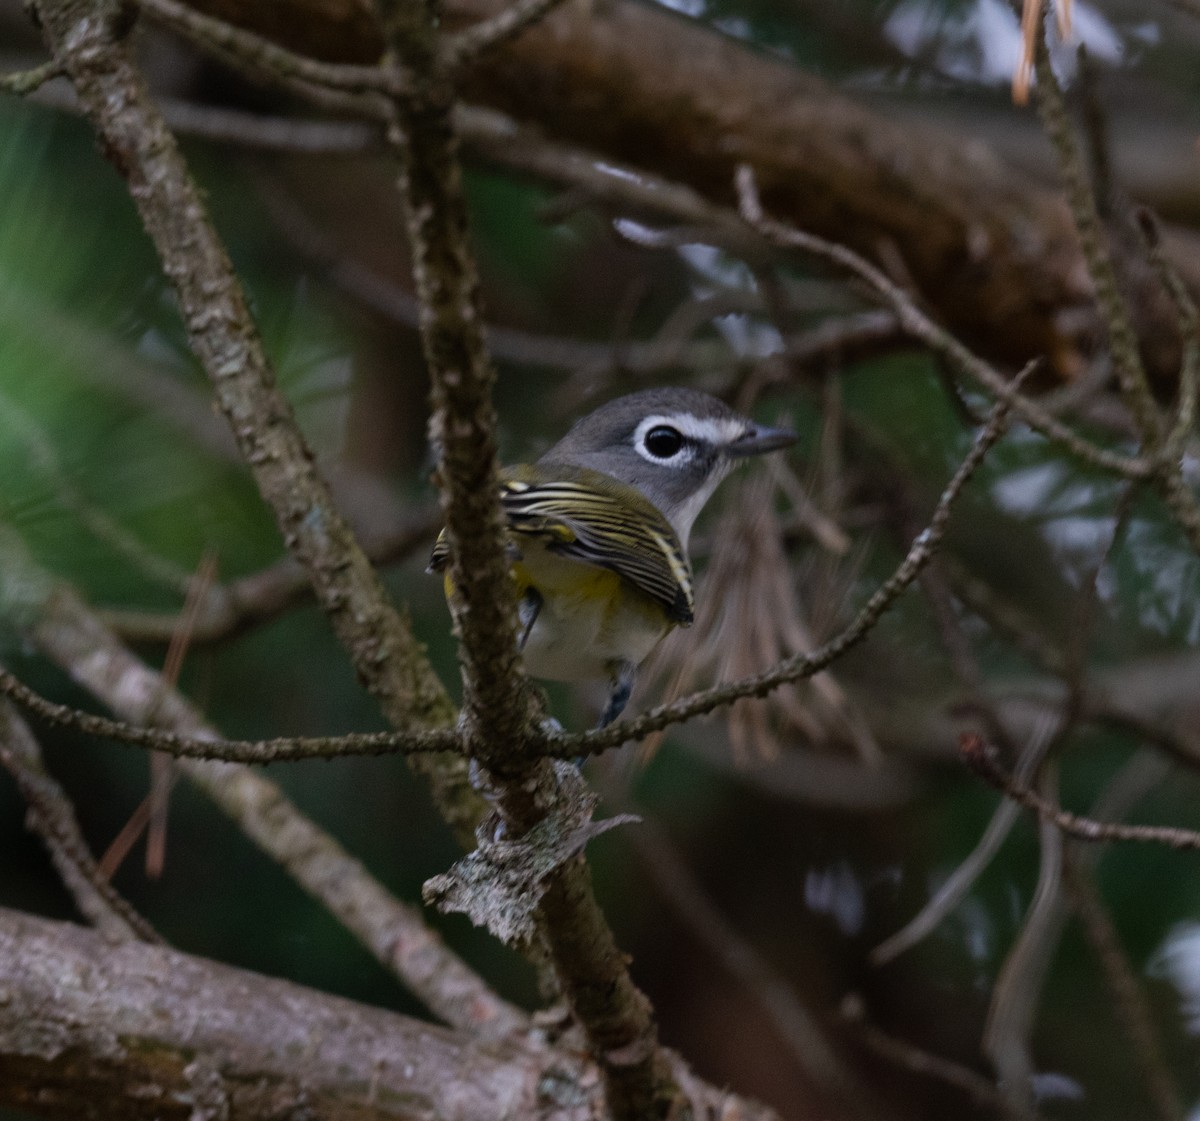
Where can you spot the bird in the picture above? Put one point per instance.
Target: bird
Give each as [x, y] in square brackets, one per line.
[599, 528]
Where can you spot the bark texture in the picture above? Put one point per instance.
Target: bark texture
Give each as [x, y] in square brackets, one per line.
[127, 1031]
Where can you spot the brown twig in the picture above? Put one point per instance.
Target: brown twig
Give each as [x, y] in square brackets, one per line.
[1133, 1010]
[460, 50]
[254, 50]
[1131, 374]
[981, 758]
[230, 609]
[901, 1053]
[961, 880]
[920, 326]
[52, 817]
[162, 775]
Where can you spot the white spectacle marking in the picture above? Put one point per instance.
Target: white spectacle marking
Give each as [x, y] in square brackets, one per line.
[715, 431]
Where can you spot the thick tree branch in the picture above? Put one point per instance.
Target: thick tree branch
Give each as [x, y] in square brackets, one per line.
[131, 1031]
[994, 254]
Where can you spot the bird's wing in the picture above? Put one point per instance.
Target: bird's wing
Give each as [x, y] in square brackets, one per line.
[595, 519]
[606, 523]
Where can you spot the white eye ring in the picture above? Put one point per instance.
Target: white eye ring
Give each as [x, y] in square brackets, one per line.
[664, 431]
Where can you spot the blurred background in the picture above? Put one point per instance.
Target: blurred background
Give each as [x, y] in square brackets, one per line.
[806, 830]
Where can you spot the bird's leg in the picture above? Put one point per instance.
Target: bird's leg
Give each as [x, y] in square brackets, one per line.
[528, 609]
[624, 674]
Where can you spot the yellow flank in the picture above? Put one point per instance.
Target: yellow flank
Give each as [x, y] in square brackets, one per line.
[609, 571]
[591, 618]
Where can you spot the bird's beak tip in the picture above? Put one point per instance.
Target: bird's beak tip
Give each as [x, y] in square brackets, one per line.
[759, 440]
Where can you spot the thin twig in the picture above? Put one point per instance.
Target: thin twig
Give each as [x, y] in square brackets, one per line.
[1008, 1031]
[961, 880]
[1189, 327]
[250, 49]
[162, 775]
[253, 752]
[52, 817]
[901, 1053]
[920, 326]
[981, 758]
[1127, 360]
[461, 50]
[1132, 1007]
[231, 609]
[1160, 445]
[26, 81]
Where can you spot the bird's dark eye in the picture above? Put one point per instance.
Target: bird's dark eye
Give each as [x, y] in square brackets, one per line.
[663, 441]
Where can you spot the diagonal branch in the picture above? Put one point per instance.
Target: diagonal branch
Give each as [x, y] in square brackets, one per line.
[136, 1032]
[254, 50]
[52, 817]
[981, 758]
[85, 38]
[26, 81]
[462, 49]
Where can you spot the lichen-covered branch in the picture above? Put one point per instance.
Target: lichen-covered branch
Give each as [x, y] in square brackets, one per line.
[497, 697]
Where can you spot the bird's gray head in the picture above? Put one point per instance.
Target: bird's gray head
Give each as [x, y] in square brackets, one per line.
[675, 445]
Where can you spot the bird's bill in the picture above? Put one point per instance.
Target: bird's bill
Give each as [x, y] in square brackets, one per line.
[759, 439]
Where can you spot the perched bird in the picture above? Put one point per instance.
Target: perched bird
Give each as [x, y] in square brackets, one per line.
[599, 530]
